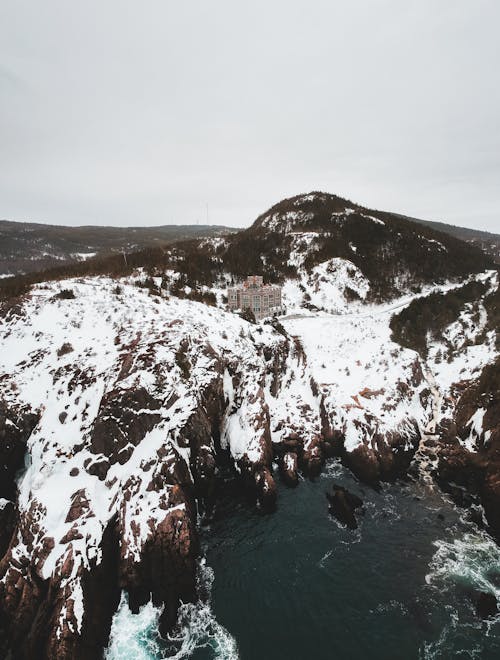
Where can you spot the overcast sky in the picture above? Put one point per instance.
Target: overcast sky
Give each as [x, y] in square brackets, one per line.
[120, 112]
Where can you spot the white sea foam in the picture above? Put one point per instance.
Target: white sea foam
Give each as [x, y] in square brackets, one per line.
[136, 636]
[471, 561]
[454, 641]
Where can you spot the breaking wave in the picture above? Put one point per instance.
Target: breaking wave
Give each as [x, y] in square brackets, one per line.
[466, 566]
[136, 636]
[472, 562]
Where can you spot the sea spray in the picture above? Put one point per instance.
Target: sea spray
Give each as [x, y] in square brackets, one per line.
[136, 636]
[467, 565]
[197, 627]
[471, 562]
[296, 585]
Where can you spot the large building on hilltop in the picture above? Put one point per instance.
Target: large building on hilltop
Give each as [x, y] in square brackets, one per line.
[263, 299]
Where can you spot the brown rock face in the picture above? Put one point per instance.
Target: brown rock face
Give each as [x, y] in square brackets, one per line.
[202, 434]
[387, 458]
[475, 472]
[167, 567]
[57, 615]
[125, 416]
[7, 525]
[79, 506]
[379, 456]
[23, 615]
[288, 466]
[16, 425]
[266, 489]
[364, 462]
[312, 457]
[343, 505]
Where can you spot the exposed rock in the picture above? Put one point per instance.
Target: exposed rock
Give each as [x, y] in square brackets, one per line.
[312, 457]
[343, 504]
[266, 489]
[7, 524]
[166, 569]
[469, 457]
[98, 467]
[289, 472]
[387, 459]
[101, 591]
[124, 418]
[364, 462]
[16, 425]
[73, 535]
[65, 349]
[487, 605]
[79, 506]
[202, 434]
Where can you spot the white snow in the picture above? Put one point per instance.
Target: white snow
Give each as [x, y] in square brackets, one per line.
[464, 351]
[83, 256]
[123, 338]
[324, 287]
[119, 340]
[358, 369]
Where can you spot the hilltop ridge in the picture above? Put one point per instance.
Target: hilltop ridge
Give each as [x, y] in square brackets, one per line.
[130, 395]
[29, 247]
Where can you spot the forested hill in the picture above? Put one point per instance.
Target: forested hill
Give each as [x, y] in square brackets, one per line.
[295, 237]
[487, 241]
[28, 247]
[391, 251]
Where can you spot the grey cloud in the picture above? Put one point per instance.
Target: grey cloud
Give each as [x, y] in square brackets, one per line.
[143, 112]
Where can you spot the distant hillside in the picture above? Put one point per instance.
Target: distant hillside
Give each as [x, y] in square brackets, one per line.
[30, 247]
[393, 252]
[308, 239]
[487, 241]
[132, 402]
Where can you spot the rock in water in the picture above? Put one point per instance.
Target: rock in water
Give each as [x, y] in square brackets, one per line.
[289, 469]
[343, 505]
[266, 489]
[486, 605]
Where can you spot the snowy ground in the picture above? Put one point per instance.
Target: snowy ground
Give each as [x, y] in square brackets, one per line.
[62, 357]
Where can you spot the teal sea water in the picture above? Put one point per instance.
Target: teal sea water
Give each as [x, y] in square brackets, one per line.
[296, 585]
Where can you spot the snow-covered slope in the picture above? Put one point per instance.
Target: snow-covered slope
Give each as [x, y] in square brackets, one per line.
[387, 251]
[121, 402]
[127, 389]
[332, 286]
[466, 344]
[134, 395]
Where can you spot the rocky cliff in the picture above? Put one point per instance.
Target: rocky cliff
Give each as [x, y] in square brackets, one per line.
[122, 399]
[118, 406]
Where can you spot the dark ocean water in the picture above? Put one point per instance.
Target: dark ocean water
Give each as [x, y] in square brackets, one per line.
[296, 585]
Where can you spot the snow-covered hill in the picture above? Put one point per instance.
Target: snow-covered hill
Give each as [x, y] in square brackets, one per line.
[313, 230]
[123, 399]
[133, 397]
[27, 247]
